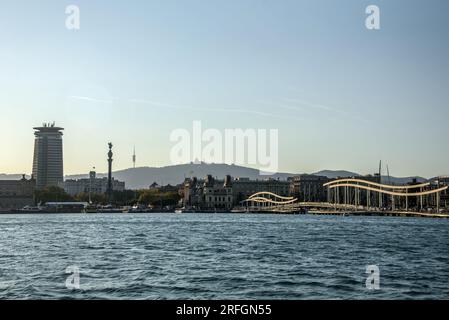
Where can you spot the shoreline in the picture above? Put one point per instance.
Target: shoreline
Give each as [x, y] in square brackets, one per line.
[403, 214]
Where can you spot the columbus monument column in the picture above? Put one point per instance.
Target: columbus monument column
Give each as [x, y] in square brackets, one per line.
[109, 191]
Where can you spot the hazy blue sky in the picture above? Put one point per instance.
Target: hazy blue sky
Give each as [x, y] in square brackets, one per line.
[342, 96]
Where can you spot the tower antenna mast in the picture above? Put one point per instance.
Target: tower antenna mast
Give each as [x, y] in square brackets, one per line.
[134, 157]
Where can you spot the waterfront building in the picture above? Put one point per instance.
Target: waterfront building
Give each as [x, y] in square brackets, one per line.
[442, 181]
[166, 188]
[217, 194]
[92, 185]
[243, 188]
[308, 188]
[193, 193]
[208, 194]
[16, 194]
[48, 160]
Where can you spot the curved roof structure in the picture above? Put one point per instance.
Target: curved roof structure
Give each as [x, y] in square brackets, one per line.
[401, 191]
[265, 197]
[384, 186]
[262, 193]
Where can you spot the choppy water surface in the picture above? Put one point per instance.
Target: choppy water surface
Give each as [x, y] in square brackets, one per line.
[222, 256]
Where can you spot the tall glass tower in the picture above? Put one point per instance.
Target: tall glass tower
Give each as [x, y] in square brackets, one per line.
[47, 162]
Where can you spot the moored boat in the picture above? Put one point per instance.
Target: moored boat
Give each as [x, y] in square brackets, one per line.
[109, 209]
[91, 209]
[30, 209]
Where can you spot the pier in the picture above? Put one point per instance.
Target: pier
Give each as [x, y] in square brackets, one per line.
[357, 197]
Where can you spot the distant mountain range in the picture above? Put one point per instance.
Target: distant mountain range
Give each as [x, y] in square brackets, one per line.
[332, 174]
[143, 177]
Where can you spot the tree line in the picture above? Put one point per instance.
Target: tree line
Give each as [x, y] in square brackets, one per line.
[153, 197]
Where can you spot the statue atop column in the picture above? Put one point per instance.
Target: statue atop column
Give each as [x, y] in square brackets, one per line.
[109, 191]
